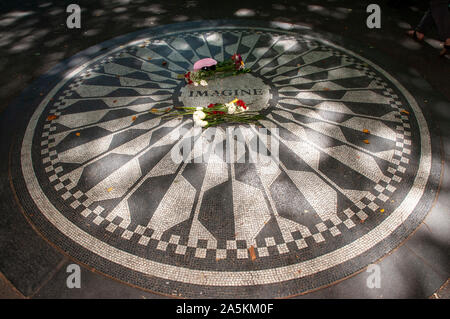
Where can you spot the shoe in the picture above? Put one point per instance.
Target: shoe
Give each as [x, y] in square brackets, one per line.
[445, 50]
[414, 36]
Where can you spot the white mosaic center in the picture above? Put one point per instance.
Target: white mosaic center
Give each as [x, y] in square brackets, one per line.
[246, 87]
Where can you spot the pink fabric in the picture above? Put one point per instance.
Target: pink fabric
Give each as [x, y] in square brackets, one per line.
[204, 62]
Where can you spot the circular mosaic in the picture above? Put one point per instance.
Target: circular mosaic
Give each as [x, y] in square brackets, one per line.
[352, 163]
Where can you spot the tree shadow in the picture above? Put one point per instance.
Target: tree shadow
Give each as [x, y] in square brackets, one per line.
[34, 35]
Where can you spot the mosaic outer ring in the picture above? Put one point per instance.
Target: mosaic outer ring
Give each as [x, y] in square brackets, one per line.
[246, 284]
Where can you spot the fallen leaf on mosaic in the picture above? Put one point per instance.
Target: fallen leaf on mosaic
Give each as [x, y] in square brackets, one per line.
[51, 117]
[252, 253]
[366, 131]
[366, 141]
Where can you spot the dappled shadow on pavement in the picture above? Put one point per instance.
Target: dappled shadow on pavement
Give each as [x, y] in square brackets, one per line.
[34, 36]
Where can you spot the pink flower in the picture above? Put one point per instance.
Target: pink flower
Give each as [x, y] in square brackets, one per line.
[204, 63]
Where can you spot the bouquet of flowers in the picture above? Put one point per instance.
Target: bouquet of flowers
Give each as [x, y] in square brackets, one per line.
[235, 111]
[208, 68]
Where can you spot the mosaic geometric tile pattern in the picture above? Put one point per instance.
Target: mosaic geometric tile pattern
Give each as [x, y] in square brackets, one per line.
[351, 145]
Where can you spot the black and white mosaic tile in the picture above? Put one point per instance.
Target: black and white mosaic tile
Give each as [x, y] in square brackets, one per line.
[97, 165]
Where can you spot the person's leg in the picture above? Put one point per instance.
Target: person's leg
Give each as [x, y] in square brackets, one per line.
[424, 25]
[441, 17]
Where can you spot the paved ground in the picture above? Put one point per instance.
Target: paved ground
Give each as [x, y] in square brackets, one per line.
[35, 39]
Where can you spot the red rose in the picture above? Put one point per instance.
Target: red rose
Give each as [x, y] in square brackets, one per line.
[242, 104]
[187, 77]
[236, 58]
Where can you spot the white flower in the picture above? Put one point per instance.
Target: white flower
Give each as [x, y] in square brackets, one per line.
[201, 123]
[199, 109]
[231, 108]
[196, 83]
[203, 83]
[199, 115]
[241, 109]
